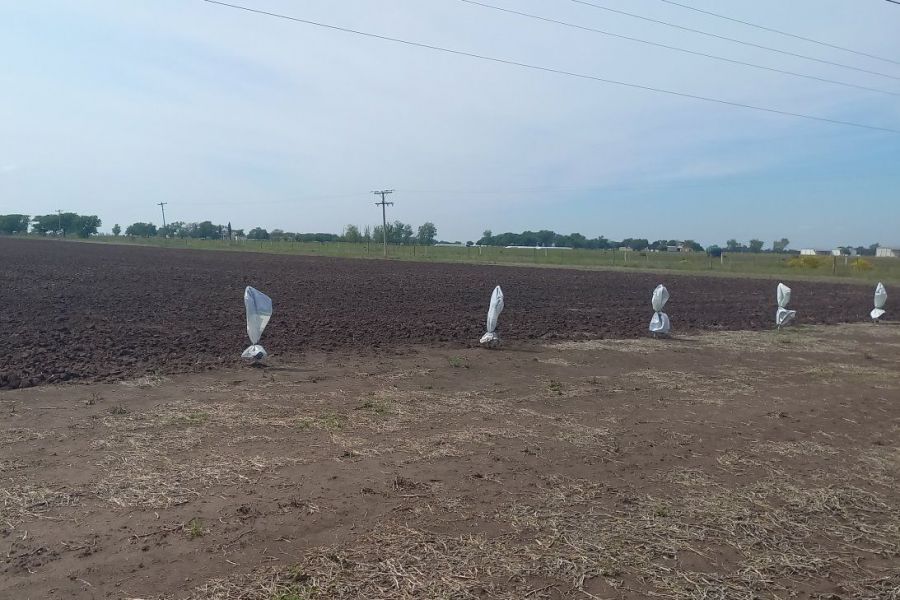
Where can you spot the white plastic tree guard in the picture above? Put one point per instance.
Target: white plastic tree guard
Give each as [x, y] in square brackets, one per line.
[784, 316]
[259, 311]
[660, 324]
[491, 338]
[880, 301]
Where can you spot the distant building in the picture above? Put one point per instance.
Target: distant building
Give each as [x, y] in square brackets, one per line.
[844, 252]
[887, 253]
[538, 248]
[814, 252]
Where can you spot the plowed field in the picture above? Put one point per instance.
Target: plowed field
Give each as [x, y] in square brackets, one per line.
[104, 312]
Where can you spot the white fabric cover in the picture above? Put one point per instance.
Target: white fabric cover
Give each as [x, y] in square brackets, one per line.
[259, 311]
[880, 301]
[660, 322]
[784, 316]
[784, 295]
[494, 311]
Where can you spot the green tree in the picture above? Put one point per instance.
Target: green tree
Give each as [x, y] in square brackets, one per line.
[277, 235]
[10, 224]
[204, 230]
[87, 225]
[733, 245]
[173, 229]
[378, 233]
[693, 245]
[141, 230]
[352, 235]
[636, 244]
[756, 246]
[404, 232]
[487, 238]
[427, 234]
[258, 233]
[780, 246]
[116, 230]
[62, 223]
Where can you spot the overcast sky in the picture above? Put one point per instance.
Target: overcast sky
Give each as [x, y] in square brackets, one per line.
[108, 107]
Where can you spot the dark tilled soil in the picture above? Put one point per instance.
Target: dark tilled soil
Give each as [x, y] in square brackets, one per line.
[99, 312]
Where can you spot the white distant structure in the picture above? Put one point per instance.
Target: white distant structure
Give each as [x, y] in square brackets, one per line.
[882, 252]
[844, 252]
[814, 252]
[537, 248]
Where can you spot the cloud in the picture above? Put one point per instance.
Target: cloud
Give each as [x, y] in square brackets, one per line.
[236, 117]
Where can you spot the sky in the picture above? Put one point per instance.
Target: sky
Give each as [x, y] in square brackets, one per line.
[109, 107]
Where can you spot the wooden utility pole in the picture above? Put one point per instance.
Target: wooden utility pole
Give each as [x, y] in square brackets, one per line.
[162, 205]
[384, 204]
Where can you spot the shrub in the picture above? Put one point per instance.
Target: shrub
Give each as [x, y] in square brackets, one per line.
[805, 262]
[861, 264]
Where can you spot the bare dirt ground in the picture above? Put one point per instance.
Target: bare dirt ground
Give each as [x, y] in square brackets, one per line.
[717, 465]
[101, 312]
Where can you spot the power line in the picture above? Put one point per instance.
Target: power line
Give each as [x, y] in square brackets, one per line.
[734, 40]
[678, 49]
[780, 32]
[552, 70]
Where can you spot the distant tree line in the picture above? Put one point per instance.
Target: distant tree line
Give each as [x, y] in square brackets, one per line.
[53, 224]
[397, 233]
[548, 239]
[84, 226]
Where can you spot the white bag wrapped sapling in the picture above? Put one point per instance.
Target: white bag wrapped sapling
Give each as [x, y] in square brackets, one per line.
[491, 338]
[259, 311]
[660, 324]
[880, 301]
[784, 316]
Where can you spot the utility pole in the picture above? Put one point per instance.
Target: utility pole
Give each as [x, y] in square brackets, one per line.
[384, 204]
[162, 205]
[59, 221]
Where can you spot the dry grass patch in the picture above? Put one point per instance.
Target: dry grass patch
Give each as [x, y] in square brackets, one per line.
[145, 382]
[138, 480]
[20, 434]
[775, 535]
[794, 449]
[704, 389]
[817, 340]
[25, 501]
[635, 346]
[391, 563]
[761, 541]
